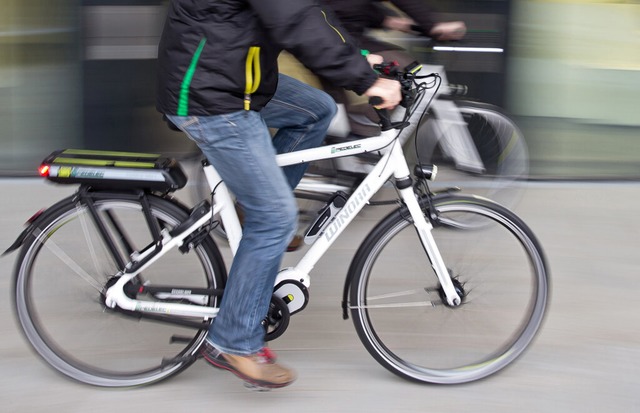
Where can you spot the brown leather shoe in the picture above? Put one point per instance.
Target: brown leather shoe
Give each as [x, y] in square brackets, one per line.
[295, 243]
[259, 370]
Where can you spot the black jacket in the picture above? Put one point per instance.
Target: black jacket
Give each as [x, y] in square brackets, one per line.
[356, 16]
[220, 56]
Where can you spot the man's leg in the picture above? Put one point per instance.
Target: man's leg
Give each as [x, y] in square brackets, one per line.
[302, 115]
[240, 148]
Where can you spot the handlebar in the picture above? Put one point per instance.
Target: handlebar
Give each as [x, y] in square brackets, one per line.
[406, 77]
[385, 120]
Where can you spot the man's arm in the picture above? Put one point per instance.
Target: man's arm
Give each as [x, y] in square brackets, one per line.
[306, 31]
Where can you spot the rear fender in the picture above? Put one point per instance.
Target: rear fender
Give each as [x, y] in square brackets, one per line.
[33, 222]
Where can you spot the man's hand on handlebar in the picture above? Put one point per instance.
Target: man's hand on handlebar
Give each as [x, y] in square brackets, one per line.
[374, 59]
[386, 89]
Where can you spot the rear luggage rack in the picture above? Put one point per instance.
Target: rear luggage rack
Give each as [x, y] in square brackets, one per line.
[108, 169]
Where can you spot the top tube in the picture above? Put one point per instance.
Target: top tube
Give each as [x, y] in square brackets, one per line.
[378, 143]
[371, 144]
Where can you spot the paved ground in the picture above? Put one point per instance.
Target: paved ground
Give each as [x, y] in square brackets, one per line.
[586, 359]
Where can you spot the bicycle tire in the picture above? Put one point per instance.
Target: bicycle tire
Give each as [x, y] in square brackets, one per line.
[397, 305]
[500, 144]
[59, 279]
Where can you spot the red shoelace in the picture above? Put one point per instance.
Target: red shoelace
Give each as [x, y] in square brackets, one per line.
[268, 354]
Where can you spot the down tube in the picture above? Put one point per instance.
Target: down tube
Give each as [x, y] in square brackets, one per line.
[360, 197]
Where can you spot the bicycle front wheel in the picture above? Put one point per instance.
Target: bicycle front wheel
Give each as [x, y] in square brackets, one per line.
[61, 275]
[399, 310]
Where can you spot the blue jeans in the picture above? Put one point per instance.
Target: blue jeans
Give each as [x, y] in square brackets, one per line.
[243, 152]
[302, 115]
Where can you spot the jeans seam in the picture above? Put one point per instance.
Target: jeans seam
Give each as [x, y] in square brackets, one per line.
[299, 109]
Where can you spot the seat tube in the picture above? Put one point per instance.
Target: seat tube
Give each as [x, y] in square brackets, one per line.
[222, 198]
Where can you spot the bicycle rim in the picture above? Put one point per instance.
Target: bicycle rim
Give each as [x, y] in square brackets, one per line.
[59, 283]
[398, 308]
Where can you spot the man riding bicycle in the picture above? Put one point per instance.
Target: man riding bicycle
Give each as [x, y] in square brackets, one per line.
[217, 78]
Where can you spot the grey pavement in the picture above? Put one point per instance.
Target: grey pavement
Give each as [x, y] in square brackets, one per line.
[586, 358]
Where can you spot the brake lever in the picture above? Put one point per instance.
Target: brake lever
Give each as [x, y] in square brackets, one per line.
[385, 119]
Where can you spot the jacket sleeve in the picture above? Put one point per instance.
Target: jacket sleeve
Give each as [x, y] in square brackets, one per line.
[308, 32]
[375, 12]
[357, 15]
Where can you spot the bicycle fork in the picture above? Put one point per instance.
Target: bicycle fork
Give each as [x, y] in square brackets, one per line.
[424, 227]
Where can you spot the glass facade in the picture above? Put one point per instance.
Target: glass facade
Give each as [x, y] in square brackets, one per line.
[574, 79]
[40, 105]
[82, 75]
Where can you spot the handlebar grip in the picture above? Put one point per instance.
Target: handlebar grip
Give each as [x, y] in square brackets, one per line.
[375, 100]
[385, 120]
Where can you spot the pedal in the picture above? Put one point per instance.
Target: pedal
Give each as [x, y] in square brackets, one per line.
[197, 212]
[180, 339]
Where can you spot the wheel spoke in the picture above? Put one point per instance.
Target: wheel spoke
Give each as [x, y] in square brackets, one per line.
[397, 294]
[397, 305]
[87, 238]
[70, 263]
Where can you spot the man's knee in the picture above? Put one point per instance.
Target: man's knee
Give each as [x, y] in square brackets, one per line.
[329, 107]
[286, 219]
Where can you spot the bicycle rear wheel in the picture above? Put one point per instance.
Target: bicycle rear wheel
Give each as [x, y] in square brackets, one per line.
[500, 145]
[60, 278]
[398, 307]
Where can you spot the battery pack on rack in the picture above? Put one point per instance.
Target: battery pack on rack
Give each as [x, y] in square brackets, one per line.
[107, 169]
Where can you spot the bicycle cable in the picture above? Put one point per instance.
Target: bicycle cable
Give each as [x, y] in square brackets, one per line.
[437, 83]
[420, 89]
[423, 184]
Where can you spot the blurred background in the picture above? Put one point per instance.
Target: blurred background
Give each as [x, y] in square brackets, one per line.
[81, 74]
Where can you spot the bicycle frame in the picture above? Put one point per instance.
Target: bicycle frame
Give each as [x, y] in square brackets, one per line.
[392, 164]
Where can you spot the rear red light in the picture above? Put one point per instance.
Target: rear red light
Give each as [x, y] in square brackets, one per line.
[35, 216]
[44, 170]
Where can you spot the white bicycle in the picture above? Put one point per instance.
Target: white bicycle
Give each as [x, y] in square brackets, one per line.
[117, 284]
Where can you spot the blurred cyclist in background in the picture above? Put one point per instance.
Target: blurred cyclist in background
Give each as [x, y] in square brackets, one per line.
[360, 16]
